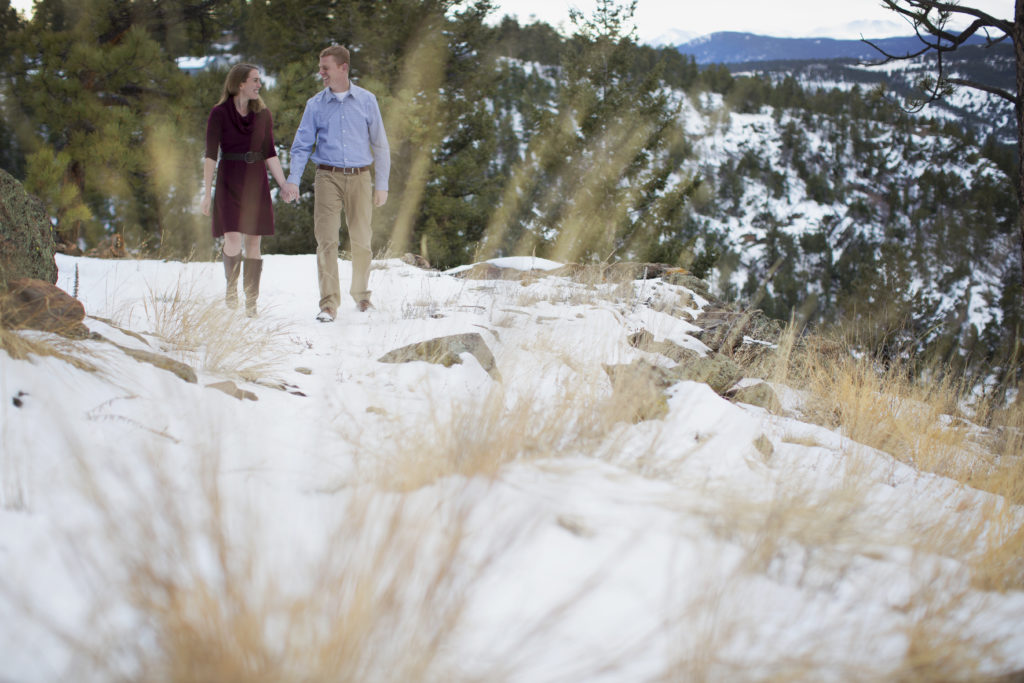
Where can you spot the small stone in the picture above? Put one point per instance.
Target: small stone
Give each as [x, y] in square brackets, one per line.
[764, 446]
[232, 389]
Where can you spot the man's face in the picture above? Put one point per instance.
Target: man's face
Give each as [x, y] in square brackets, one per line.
[334, 75]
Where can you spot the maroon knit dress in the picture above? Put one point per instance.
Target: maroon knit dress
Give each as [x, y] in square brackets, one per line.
[241, 201]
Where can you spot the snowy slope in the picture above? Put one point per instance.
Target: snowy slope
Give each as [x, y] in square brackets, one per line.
[337, 522]
[807, 178]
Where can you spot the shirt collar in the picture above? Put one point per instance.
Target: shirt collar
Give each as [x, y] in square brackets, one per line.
[327, 94]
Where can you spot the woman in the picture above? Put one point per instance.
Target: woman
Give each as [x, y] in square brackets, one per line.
[240, 126]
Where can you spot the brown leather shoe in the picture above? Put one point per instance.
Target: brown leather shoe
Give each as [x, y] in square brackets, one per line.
[364, 305]
[327, 315]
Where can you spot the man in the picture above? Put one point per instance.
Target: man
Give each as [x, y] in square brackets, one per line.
[344, 124]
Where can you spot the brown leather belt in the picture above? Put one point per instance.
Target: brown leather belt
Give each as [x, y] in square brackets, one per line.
[343, 171]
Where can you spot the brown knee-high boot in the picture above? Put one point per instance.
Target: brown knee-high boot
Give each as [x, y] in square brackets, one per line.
[251, 284]
[232, 265]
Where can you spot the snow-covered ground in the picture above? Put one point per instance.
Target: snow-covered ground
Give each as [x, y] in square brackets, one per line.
[362, 520]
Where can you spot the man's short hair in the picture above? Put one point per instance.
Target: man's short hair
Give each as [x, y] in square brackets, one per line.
[339, 53]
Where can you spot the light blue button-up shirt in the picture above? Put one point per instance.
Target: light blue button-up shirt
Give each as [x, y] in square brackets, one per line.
[346, 132]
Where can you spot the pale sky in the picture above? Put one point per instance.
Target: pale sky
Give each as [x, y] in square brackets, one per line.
[657, 20]
[782, 18]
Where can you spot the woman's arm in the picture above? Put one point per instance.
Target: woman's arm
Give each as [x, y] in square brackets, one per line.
[208, 166]
[274, 166]
[213, 133]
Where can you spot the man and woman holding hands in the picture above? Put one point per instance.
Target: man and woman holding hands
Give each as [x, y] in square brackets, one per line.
[342, 132]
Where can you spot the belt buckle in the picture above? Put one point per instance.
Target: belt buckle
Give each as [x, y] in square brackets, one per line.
[249, 157]
[349, 171]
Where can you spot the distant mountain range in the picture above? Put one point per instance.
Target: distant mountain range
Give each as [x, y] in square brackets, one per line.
[729, 47]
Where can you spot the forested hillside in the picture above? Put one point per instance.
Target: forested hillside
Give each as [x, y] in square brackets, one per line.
[830, 205]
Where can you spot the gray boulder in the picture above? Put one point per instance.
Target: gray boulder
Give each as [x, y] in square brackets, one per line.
[644, 341]
[642, 384]
[26, 241]
[447, 351]
[639, 388]
[718, 372]
[760, 394]
[724, 327]
[691, 282]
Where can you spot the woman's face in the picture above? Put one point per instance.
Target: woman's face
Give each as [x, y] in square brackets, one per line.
[250, 87]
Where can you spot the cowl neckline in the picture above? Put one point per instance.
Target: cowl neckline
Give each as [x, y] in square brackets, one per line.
[243, 123]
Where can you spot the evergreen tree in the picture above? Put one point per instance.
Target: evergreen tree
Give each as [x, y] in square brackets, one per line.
[12, 156]
[595, 177]
[107, 151]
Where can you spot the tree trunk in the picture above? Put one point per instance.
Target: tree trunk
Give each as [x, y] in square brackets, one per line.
[1018, 46]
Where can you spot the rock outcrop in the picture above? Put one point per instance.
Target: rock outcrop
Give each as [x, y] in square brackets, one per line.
[26, 239]
[760, 394]
[38, 305]
[724, 328]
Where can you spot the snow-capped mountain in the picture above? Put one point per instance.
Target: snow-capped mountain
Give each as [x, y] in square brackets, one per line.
[672, 37]
[855, 30]
[730, 47]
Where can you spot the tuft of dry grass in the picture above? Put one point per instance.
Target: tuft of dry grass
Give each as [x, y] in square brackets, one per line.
[201, 330]
[186, 588]
[474, 437]
[922, 421]
[583, 411]
[938, 645]
[23, 344]
[918, 419]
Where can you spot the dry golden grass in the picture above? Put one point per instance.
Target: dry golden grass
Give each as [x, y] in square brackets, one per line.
[814, 538]
[999, 564]
[474, 437]
[203, 331]
[185, 589]
[922, 422]
[919, 420]
[803, 440]
[939, 647]
[23, 344]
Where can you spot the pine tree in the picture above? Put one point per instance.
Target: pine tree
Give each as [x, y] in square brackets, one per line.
[595, 178]
[12, 156]
[101, 96]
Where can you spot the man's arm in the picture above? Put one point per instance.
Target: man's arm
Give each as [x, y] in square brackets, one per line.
[381, 153]
[302, 147]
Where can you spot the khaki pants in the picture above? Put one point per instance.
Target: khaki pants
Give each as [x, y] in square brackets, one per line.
[333, 193]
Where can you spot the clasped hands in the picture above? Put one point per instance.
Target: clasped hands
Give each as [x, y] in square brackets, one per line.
[289, 192]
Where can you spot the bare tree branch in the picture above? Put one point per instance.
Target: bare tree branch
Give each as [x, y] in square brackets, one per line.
[890, 57]
[992, 90]
[922, 7]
